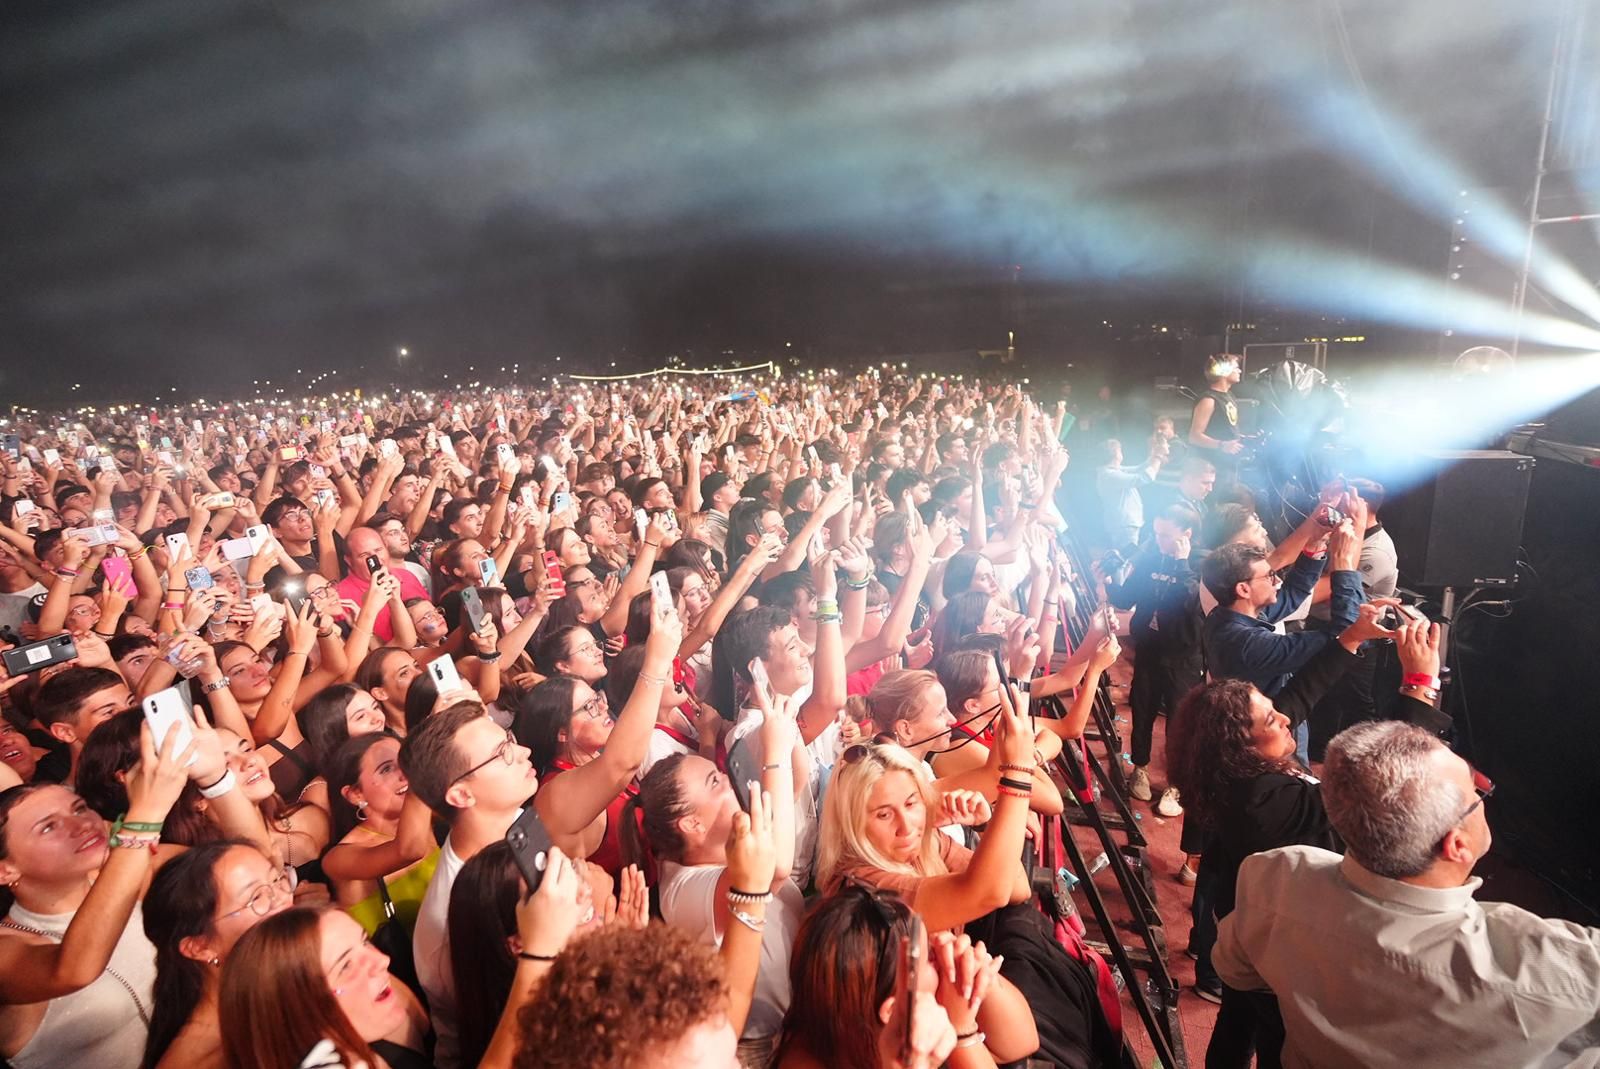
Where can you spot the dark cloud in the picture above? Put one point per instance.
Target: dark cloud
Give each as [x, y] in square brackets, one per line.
[197, 189]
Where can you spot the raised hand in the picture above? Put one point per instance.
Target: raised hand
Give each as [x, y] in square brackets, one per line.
[752, 851]
[966, 808]
[547, 918]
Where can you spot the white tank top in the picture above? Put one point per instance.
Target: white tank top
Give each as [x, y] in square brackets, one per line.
[104, 1024]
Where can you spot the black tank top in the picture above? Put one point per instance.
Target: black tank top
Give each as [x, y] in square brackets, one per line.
[1224, 422]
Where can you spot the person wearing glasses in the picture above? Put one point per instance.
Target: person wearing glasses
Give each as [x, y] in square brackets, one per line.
[1240, 642]
[1232, 754]
[1410, 969]
[198, 907]
[587, 760]
[473, 775]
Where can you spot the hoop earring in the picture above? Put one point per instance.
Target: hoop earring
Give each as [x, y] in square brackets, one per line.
[361, 812]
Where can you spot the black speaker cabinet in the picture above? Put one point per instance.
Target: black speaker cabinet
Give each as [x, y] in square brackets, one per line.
[1462, 527]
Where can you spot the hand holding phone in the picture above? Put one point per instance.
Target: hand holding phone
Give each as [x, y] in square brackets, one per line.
[445, 677]
[660, 593]
[552, 571]
[165, 710]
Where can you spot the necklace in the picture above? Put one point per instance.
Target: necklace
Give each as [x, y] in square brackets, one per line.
[138, 1005]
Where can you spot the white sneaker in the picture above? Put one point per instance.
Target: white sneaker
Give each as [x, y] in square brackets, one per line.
[1139, 784]
[1168, 806]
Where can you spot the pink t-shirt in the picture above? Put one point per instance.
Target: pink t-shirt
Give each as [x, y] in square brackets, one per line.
[352, 588]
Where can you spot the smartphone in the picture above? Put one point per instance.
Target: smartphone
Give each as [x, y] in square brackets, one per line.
[530, 846]
[101, 534]
[446, 446]
[758, 674]
[200, 579]
[905, 987]
[237, 549]
[294, 596]
[318, 471]
[444, 675]
[472, 605]
[23, 506]
[165, 710]
[506, 455]
[107, 464]
[552, 569]
[322, 499]
[488, 573]
[527, 496]
[262, 604]
[42, 654]
[289, 453]
[199, 428]
[52, 457]
[177, 545]
[12, 444]
[561, 501]
[816, 461]
[257, 537]
[742, 771]
[388, 447]
[222, 499]
[660, 592]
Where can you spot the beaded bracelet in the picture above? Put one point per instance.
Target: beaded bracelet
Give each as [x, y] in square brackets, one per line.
[136, 842]
[1026, 770]
[752, 897]
[1008, 792]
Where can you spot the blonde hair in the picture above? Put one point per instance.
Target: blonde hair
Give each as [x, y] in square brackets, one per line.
[894, 695]
[844, 844]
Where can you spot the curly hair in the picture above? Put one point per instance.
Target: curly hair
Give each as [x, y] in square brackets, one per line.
[1209, 747]
[619, 998]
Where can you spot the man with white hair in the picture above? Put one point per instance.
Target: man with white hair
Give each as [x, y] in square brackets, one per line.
[1383, 957]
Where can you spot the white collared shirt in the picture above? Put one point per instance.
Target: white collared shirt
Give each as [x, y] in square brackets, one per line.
[1371, 971]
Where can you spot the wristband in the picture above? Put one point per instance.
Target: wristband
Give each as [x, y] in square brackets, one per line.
[1009, 793]
[645, 677]
[970, 1039]
[1420, 679]
[827, 607]
[828, 617]
[1024, 685]
[136, 842]
[736, 895]
[858, 584]
[175, 606]
[136, 554]
[67, 573]
[1017, 784]
[220, 787]
[136, 825]
[1026, 770]
[221, 684]
[755, 924]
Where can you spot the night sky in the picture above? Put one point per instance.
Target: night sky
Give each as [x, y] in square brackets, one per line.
[196, 194]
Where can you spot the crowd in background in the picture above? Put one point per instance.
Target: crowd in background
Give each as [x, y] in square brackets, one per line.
[651, 724]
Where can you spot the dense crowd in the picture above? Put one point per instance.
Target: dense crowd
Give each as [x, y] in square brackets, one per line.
[650, 724]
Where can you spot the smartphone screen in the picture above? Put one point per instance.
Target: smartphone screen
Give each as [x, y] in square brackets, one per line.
[488, 573]
[660, 592]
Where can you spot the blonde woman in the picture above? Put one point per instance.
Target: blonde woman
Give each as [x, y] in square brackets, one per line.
[880, 828]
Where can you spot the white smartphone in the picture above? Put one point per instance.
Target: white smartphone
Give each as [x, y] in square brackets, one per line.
[660, 592]
[177, 545]
[257, 536]
[445, 677]
[52, 457]
[23, 506]
[641, 520]
[165, 710]
[758, 673]
[527, 496]
[507, 456]
[107, 464]
[388, 448]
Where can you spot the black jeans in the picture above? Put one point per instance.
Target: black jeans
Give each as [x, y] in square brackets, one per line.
[1248, 1024]
[1159, 683]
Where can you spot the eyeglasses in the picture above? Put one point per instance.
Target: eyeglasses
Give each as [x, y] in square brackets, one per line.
[260, 900]
[294, 514]
[1273, 577]
[587, 649]
[596, 708]
[503, 752]
[1484, 786]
